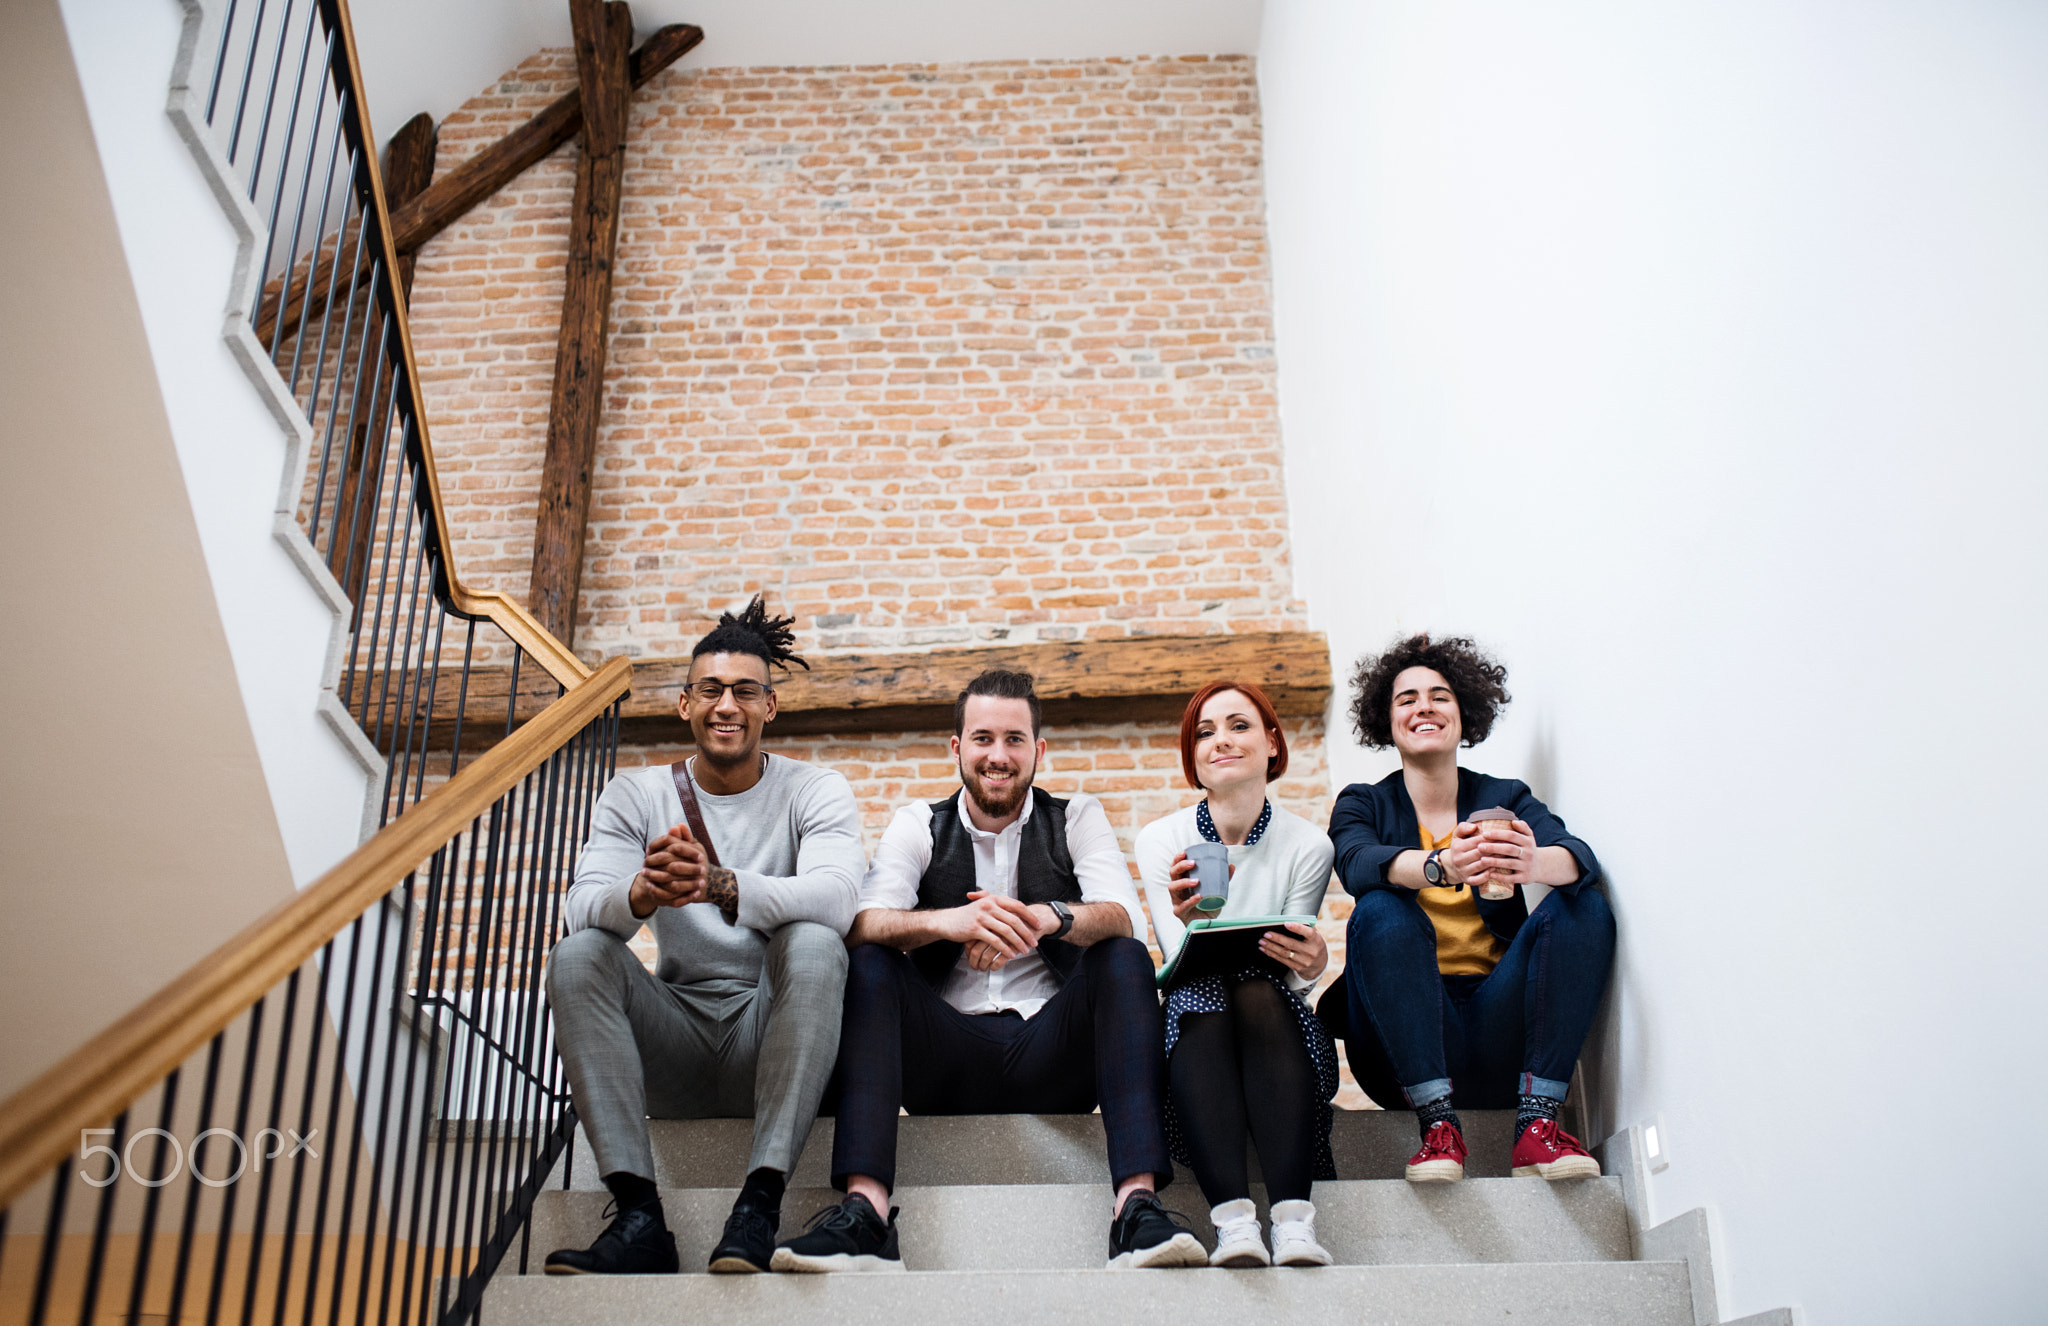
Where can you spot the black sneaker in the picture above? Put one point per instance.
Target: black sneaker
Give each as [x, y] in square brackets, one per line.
[1149, 1235]
[748, 1242]
[846, 1237]
[634, 1243]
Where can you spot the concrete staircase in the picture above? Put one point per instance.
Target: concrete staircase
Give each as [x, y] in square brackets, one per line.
[1005, 1219]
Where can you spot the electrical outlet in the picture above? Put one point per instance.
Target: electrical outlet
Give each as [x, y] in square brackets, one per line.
[1657, 1145]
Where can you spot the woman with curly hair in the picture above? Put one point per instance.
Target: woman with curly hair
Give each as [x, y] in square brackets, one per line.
[1244, 1054]
[1455, 993]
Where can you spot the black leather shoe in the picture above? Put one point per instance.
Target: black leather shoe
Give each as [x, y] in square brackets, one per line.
[636, 1242]
[748, 1242]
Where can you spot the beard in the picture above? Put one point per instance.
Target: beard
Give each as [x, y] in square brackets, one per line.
[997, 805]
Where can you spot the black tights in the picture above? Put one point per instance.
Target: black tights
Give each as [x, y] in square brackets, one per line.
[1246, 1066]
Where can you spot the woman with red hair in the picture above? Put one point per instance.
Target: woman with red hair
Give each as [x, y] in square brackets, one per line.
[1245, 1054]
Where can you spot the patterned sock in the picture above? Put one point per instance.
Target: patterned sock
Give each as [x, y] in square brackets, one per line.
[632, 1191]
[1528, 1109]
[1436, 1112]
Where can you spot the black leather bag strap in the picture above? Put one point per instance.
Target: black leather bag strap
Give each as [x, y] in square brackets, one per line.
[687, 790]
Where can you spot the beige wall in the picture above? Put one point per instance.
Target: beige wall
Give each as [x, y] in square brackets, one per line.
[135, 830]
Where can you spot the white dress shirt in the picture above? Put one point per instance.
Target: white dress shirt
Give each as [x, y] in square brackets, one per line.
[1023, 983]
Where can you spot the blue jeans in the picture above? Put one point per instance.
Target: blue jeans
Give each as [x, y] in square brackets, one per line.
[1479, 1039]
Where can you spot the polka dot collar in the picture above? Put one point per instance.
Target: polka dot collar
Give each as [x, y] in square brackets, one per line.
[1206, 826]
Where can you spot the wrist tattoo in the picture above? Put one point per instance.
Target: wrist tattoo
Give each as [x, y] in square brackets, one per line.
[722, 888]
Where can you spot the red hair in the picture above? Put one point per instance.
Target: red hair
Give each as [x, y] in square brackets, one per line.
[1192, 717]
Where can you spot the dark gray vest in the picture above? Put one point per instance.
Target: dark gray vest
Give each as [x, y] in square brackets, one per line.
[1045, 873]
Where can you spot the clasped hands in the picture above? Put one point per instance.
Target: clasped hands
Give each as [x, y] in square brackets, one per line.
[676, 872]
[1496, 851]
[996, 929]
[1301, 948]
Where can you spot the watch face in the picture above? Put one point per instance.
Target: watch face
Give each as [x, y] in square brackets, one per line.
[1431, 871]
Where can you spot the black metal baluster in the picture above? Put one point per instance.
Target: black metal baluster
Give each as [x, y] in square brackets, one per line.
[220, 60]
[315, 1021]
[53, 1242]
[228, 1194]
[284, 158]
[341, 240]
[139, 1276]
[189, 1226]
[102, 1224]
[384, 1116]
[248, 75]
[462, 699]
[348, 315]
[284, 30]
[336, 1086]
[279, 1077]
[299, 216]
[442, 1212]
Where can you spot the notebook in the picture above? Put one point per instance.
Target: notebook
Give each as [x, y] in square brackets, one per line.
[1217, 947]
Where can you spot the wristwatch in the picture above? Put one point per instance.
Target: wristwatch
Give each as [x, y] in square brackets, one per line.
[1066, 915]
[1432, 873]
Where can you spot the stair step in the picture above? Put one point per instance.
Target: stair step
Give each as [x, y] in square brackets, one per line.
[1529, 1294]
[935, 1150]
[1013, 1227]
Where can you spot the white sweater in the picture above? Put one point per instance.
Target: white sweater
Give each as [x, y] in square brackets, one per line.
[1284, 874]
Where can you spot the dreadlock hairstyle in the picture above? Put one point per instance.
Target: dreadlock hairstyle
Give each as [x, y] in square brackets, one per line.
[754, 632]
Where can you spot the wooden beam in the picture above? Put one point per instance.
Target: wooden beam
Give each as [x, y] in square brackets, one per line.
[497, 165]
[604, 38]
[408, 170]
[443, 201]
[1146, 680]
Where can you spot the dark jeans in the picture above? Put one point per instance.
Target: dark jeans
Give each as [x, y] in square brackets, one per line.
[1098, 1039]
[1409, 1032]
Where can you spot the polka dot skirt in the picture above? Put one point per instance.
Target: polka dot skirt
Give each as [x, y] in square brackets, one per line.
[1207, 995]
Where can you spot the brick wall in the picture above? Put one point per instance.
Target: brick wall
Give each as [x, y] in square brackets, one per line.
[935, 355]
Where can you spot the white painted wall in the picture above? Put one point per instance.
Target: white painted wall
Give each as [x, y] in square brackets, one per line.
[279, 617]
[1696, 357]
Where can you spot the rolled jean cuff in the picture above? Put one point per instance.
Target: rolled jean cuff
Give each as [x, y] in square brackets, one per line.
[1424, 1093]
[1547, 1087]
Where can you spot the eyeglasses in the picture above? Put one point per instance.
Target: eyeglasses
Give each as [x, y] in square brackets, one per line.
[710, 690]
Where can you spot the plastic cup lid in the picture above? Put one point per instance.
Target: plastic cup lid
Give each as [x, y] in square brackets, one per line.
[1495, 814]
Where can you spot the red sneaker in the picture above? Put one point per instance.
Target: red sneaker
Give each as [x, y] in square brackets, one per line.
[1442, 1158]
[1546, 1151]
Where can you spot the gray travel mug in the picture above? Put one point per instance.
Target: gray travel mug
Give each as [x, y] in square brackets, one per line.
[1212, 867]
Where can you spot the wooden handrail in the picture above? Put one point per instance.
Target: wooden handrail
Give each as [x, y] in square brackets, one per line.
[39, 1124]
[507, 613]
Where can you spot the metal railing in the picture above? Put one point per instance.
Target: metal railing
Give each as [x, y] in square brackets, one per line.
[344, 1114]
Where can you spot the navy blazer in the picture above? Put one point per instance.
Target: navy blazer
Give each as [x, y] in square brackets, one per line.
[1372, 823]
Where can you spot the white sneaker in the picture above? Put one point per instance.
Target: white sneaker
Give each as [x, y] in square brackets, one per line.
[1294, 1235]
[1237, 1235]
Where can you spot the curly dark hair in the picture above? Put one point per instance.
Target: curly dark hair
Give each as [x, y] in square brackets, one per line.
[1479, 683]
[754, 632]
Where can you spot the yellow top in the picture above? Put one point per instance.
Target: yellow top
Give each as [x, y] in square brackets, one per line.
[1464, 946]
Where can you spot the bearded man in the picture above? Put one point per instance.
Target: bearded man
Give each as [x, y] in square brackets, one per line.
[993, 971]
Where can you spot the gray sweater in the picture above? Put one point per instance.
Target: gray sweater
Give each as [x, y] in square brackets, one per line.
[792, 839]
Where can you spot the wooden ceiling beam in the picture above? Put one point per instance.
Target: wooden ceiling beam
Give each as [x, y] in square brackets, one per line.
[604, 39]
[419, 218]
[490, 170]
[1145, 679]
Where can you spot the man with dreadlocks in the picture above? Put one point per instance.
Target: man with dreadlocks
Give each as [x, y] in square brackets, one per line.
[748, 867]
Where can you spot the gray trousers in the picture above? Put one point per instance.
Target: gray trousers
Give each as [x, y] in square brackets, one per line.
[637, 1046]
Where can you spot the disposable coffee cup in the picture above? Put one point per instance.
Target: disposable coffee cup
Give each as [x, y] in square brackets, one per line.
[1488, 889]
[1212, 868]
